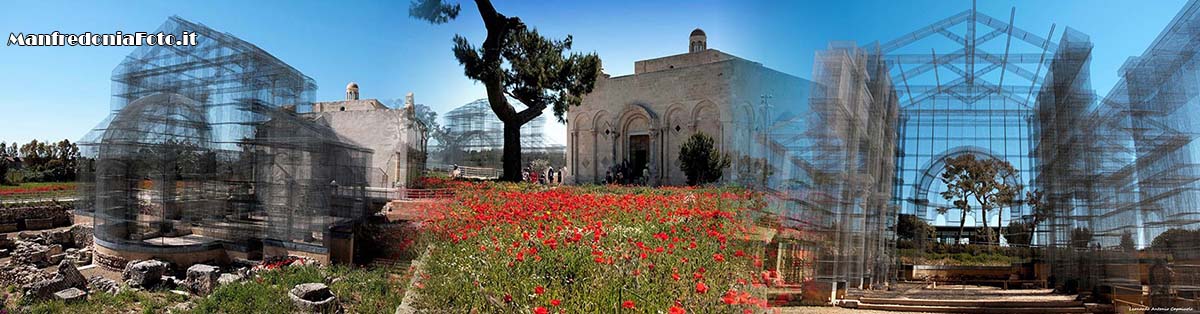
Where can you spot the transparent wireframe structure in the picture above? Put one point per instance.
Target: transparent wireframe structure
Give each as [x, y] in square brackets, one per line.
[204, 159]
[476, 129]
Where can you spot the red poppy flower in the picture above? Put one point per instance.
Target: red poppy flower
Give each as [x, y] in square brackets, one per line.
[701, 287]
[555, 302]
[675, 276]
[718, 257]
[540, 310]
[675, 309]
[539, 290]
[627, 304]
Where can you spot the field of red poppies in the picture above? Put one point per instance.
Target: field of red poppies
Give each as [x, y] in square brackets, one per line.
[516, 248]
[36, 190]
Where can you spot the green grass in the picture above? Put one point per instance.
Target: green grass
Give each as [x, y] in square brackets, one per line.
[359, 291]
[123, 302]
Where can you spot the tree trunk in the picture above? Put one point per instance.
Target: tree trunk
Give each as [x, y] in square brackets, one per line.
[512, 152]
[987, 231]
[999, 224]
[962, 222]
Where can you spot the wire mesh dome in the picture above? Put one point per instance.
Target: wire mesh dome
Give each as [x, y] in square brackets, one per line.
[152, 156]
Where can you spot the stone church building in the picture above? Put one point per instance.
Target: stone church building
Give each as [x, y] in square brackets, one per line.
[643, 118]
[397, 138]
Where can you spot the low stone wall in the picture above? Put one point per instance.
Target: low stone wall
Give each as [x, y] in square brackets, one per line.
[35, 216]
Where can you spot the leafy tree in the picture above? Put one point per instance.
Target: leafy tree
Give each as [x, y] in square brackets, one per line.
[986, 182]
[910, 227]
[434, 130]
[1081, 237]
[516, 61]
[700, 161]
[1019, 233]
[41, 161]
[1042, 208]
[1127, 243]
[4, 163]
[1175, 239]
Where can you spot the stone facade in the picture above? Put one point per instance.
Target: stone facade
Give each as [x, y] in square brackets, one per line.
[397, 138]
[644, 117]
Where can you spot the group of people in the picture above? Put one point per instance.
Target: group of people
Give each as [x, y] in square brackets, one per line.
[548, 176]
[623, 173]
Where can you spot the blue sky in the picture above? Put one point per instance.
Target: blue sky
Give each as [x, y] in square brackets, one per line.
[61, 92]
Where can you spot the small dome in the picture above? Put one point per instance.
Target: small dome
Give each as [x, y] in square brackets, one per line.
[698, 32]
[352, 85]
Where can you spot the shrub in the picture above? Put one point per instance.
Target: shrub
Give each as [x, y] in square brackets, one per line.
[1019, 233]
[700, 161]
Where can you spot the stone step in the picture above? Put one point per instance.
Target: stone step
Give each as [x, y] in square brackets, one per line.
[971, 309]
[972, 303]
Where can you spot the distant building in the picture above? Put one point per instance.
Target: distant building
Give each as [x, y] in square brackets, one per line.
[397, 138]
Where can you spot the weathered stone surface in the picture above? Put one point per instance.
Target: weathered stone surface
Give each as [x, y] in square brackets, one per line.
[56, 258]
[228, 278]
[82, 236]
[15, 274]
[79, 256]
[66, 277]
[202, 279]
[72, 275]
[71, 295]
[313, 297]
[61, 237]
[27, 235]
[31, 253]
[38, 223]
[101, 284]
[54, 249]
[56, 213]
[144, 274]
[181, 307]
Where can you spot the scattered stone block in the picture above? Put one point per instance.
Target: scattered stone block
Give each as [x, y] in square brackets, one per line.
[56, 258]
[54, 249]
[60, 237]
[66, 277]
[71, 295]
[202, 279]
[313, 297]
[227, 278]
[101, 284]
[31, 253]
[143, 274]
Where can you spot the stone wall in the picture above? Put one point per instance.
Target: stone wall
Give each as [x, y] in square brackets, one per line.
[35, 216]
[390, 134]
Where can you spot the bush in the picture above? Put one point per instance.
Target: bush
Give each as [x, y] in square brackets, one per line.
[700, 161]
[1019, 233]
